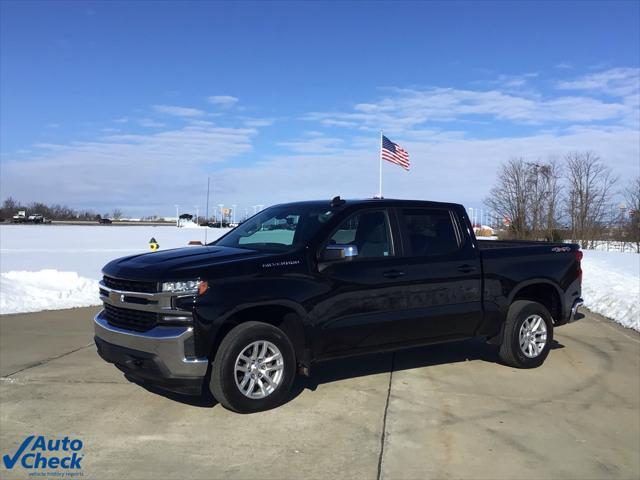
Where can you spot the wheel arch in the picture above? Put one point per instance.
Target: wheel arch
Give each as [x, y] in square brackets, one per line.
[540, 290]
[543, 291]
[284, 315]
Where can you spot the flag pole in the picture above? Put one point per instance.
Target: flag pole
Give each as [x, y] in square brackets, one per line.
[380, 169]
[207, 214]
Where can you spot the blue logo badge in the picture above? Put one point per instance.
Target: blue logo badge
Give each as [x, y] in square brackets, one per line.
[40, 453]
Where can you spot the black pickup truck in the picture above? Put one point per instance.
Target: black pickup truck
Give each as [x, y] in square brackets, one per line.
[304, 282]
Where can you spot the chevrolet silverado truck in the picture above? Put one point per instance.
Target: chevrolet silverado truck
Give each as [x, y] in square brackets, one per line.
[303, 282]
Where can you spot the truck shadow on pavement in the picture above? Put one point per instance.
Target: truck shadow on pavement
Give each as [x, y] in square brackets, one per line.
[417, 357]
[360, 366]
[205, 400]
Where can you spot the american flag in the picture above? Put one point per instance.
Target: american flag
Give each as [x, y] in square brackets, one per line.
[394, 153]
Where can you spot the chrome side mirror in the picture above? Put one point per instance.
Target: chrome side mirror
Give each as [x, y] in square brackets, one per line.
[339, 252]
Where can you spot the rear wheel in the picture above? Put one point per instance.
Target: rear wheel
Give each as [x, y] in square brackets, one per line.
[528, 333]
[253, 369]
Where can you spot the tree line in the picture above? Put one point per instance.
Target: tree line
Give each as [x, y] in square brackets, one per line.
[569, 198]
[11, 207]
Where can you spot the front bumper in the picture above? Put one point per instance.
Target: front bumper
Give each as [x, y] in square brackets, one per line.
[156, 356]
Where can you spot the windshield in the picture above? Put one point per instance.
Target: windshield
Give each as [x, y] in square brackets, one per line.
[278, 229]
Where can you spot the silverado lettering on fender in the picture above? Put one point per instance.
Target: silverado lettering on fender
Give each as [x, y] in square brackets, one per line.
[303, 282]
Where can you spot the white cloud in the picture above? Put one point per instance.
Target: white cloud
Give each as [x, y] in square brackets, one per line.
[224, 101]
[259, 122]
[137, 172]
[200, 123]
[150, 123]
[178, 111]
[315, 146]
[514, 81]
[148, 173]
[617, 82]
[410, 108]
[455, 169]
[564, 66]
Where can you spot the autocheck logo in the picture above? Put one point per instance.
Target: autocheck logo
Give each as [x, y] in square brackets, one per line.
[39, 453]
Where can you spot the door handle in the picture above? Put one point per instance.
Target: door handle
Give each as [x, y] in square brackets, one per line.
[466, 268]
[393, 274]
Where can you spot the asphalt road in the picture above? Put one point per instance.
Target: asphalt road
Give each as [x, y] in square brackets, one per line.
[445, 411]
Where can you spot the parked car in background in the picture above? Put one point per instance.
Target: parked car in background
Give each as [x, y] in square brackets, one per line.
[20, 217]
[105, 221]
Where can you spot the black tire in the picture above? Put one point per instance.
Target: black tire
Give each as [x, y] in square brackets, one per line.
[510, 351]
[223, 381]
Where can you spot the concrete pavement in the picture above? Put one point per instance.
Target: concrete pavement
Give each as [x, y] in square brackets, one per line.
[445, 411]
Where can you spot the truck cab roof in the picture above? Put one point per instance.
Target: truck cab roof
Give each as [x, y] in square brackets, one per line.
[385, 202]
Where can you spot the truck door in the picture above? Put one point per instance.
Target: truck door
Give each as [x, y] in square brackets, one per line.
[365, 292]
[442, 274]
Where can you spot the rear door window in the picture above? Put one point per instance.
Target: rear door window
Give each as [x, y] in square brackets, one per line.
[429, 232]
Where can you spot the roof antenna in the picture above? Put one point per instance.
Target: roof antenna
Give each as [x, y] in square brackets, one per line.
[337, 201]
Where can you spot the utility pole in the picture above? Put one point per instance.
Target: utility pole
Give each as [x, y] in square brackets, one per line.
[177, 215]
[221, 205]
[233, 213]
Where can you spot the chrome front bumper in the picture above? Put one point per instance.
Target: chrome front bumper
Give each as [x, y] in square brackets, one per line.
[165, 343]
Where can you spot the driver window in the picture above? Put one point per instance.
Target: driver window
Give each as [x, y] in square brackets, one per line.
[369, 231]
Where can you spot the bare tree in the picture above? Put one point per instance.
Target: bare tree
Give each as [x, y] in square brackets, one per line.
[508, 198]
[553, 197]
[632, 197]
[590, 186]
[535, 197]
[116, 214]
[528, 193]
[543, 194]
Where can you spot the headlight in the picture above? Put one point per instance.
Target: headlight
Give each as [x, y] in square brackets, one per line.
[185, 286]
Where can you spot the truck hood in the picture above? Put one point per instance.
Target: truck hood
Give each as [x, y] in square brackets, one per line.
[176, 264]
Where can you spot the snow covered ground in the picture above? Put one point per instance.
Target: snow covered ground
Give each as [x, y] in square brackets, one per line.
[47, 267]
[611, 285]
[51, 267]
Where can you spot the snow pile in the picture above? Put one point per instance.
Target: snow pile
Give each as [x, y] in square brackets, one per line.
[611, 286]
[49, 267]
[189, 224]
[22, 291]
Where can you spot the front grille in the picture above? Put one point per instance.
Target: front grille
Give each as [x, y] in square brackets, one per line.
[130, 285]
[137, 320]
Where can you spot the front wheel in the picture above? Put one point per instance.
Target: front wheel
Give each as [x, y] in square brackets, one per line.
[253, 369]
[528, 333]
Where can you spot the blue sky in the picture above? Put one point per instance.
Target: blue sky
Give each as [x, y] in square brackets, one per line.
[132, 105]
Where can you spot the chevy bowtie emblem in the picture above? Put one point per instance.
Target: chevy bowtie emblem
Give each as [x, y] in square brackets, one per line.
[116, 297]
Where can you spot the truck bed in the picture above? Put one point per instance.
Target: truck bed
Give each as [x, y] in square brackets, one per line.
[493, 244]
